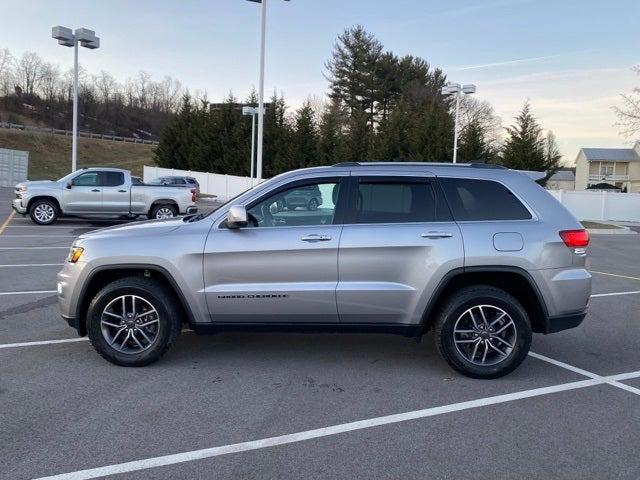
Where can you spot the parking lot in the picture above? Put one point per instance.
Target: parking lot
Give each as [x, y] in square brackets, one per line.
[303, 405]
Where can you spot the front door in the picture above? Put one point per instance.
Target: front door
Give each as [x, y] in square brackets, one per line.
[85, 194]
[397, 243]
[283, 268]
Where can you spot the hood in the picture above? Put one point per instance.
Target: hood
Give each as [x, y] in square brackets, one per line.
[137, 229]
[33, 183]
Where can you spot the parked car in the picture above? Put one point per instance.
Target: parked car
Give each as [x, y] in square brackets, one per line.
[177, 181]
[99, 192]
[480, 255]
[308, 197]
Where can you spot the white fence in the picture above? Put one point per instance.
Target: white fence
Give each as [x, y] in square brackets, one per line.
[14, 165]
[600, 205]
[223, 187]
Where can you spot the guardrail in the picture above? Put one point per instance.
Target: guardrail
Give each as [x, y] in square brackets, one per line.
[68, 133]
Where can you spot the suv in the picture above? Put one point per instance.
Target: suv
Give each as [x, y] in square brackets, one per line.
[481, 255]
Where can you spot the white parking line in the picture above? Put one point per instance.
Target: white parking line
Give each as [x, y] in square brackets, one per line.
[39, 236]
[43, 342]
[614, 275]
[68, 227]
[321, 432]
[28, 292]
[33, 248]
[32, 265]
[586, 373]
[595, 295]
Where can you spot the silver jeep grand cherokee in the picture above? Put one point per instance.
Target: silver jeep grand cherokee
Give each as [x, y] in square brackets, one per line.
[481, 255]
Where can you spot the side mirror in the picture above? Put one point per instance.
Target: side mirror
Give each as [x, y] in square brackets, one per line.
[237, 217]
[69, 184]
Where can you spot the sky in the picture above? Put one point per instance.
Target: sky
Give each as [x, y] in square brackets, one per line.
[570, 58]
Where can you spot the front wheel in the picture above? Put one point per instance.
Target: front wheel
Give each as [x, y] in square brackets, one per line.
[43, 212]
[483, 332]
[159, 212]
[133, 321]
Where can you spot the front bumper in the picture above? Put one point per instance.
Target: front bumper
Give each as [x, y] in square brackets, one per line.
[16, 204]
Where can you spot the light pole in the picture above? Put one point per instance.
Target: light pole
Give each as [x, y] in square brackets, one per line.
[251, 111]
[87, 38]
[457, 90]
[263, 24]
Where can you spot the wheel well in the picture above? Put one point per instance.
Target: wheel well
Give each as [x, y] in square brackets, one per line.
[104, 277]
[44, 197]
[164, 202]
[511, 282]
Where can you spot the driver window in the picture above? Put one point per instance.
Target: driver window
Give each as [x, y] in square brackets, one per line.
[89, 179]
[310, 204]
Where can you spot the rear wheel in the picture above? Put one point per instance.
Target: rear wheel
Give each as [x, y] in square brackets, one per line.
[133, 321]
[43, 212]
[483, 332]
[163, 211]
[312, 205]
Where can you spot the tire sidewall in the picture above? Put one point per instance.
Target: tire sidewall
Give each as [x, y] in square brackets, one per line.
[161, 343]
[505, 302]
[158, 207]
[43, 202]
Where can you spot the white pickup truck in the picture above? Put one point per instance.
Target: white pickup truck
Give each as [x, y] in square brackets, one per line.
[100, 192]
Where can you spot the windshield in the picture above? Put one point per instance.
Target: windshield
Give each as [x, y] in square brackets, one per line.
[69, 176]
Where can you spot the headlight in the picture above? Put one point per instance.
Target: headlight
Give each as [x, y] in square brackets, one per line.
[74, 254]
[22, 189]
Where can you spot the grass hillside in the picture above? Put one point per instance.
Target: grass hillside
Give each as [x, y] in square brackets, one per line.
[50, 155]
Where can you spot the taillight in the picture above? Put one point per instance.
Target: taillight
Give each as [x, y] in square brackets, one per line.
[575, 238]
[194, 195]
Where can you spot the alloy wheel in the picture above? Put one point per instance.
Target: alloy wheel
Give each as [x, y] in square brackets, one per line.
[485, 335]
[44, 212]
[164, 212]
[130, 324]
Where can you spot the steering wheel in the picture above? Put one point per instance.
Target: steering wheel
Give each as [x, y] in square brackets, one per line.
[266, 214]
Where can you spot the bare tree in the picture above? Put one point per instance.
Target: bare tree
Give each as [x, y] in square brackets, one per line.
[6, 73]
[480, 112]
[51, 81]
[29, 72]
[106, 86]
[142, 88]
[629, 113]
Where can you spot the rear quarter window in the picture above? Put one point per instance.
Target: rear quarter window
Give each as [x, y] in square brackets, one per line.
[477, 200]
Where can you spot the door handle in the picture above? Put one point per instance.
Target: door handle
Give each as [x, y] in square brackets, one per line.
[122, 191]
[95, 190]
[314, 237]
[437, 235]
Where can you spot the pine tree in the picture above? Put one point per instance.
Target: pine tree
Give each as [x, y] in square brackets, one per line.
[172, 150]
[330, 135]
[475, 145]
[525, 147]
[304, 138]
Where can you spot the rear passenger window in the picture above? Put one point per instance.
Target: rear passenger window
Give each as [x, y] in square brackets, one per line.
[394, 201]
[472, 199]
[112, 179]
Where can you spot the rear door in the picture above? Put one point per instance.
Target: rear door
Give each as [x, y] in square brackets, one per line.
[115, 192]
[398, 242]
[85, 194]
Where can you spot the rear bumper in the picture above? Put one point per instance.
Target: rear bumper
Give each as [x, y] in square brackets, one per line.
[192, 209]
[564, 322]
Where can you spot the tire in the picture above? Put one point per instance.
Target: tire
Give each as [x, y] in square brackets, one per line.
[163, 211]
[43, 212]
[312, 205]
[161, 330]
[459, 348]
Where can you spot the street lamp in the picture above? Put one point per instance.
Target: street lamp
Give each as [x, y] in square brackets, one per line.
[251, 111]
[457, 90]
[263, 23]
[87, 38]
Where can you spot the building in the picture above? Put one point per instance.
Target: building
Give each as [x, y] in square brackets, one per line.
[619, 167]
[563, 179]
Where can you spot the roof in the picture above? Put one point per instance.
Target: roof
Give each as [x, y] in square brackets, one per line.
[611, 154]
[419, 164]
[563, 176]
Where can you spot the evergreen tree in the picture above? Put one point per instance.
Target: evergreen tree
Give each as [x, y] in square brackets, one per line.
[474, 144]
[304, 138]
[172, 151]
[330, 135]
[525, 147]
[392, 139]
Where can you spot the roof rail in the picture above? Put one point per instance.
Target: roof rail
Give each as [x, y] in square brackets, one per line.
[431, 164]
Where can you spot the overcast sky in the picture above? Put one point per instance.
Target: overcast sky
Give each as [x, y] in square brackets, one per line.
[571, 58]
